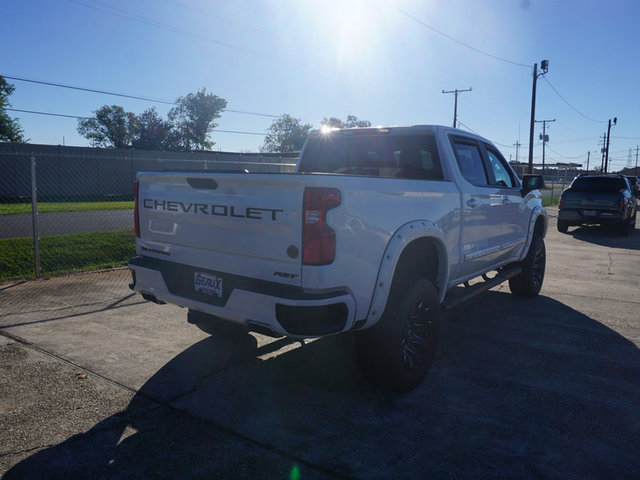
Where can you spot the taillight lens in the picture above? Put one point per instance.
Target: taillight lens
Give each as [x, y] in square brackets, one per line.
[136, 215]
[621, 205]
[318, 239]
[561, 202]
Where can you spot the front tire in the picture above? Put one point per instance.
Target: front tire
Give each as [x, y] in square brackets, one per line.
[529, 282]
[396, 353]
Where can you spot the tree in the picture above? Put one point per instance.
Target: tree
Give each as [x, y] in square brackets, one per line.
[193, 118]
[111, 127]
[352, 121]
[152, 132]
[332, 122]
[286, 134]
[10, 129]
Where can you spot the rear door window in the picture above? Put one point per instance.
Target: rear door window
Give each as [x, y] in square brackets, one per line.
[469, 157]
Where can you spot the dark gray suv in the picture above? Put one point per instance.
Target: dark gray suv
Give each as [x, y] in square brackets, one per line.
[606, 200]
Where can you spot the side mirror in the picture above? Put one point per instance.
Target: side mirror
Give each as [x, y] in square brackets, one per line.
[531, 182]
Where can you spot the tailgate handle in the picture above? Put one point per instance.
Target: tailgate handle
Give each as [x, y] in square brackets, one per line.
[203, 183]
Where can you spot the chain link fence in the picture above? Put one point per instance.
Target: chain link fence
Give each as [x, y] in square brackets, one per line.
[70, 209]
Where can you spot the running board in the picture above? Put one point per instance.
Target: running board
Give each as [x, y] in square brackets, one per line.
[466, 293]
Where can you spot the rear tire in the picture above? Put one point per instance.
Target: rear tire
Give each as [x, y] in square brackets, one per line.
[529, 282]
[625, 228]
[632, 224]
[396, 353]
[562, 227]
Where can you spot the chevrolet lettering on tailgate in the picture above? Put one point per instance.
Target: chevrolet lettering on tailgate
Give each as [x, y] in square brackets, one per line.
[254, 213]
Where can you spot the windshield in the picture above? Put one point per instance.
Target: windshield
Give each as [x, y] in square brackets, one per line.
[386, 155]
[598, 184]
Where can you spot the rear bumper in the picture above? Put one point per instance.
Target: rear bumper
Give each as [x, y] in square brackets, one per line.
[577, 217]
[279, 308]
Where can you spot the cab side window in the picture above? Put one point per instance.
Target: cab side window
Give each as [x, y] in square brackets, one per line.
[502, 176]
[469, 158]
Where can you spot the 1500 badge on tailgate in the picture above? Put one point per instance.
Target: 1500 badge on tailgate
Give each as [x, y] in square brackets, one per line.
[208, 285]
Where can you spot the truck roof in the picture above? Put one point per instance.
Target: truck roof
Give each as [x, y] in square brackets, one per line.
[387, 129]
[398, 129]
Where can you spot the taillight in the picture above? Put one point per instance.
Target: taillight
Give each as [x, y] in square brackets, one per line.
[318, 239]
[621, 205]
[136, 215]
[561, 202]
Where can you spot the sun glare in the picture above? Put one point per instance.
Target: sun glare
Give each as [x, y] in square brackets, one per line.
[356, 29]
[350, 29]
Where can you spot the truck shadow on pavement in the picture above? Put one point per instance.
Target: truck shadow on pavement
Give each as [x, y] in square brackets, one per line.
[606, 237]
[523, 389]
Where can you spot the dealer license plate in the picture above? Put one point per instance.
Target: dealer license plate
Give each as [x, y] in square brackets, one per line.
[590, 213]
[208, 284]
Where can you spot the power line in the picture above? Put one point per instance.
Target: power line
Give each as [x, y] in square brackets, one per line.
[147, 21]
[244, 26]
[477, 50]
[46, 113]
[92, 90]
[124, 95]
[627, 138]
[564, 156]
[83, 118]
[496, 143]
[261, 55]
[574, 108]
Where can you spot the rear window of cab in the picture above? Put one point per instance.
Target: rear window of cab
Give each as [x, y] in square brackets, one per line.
[412, 156]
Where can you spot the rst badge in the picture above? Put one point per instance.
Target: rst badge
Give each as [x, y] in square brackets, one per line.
[208, 285]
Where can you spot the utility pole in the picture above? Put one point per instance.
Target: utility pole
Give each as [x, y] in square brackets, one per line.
[455, 105]
[544, 137]
[636, 169]
[588, 157]
[517, 145]
[606, 160]
[604, 142]
[544, 66]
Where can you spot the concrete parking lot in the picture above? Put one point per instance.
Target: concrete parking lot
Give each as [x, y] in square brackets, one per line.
[97, 383]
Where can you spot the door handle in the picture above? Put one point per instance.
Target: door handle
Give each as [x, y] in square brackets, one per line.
[506, 201]
[473, 203]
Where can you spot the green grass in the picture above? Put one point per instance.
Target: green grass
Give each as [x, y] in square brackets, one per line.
[549, 201]
[48, 207]
[66, 253]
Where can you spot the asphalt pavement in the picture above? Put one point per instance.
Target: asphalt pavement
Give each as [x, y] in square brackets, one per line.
[97, 383]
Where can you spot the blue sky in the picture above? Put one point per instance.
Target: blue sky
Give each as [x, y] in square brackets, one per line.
[381, 60]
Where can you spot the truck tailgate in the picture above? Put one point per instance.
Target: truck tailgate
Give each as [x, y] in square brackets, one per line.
[587, 201]
[234, 223]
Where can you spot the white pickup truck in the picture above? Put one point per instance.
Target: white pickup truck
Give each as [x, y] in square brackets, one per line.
[377, 232]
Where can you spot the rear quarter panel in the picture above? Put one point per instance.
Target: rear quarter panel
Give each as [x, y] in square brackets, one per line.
[372, 210]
